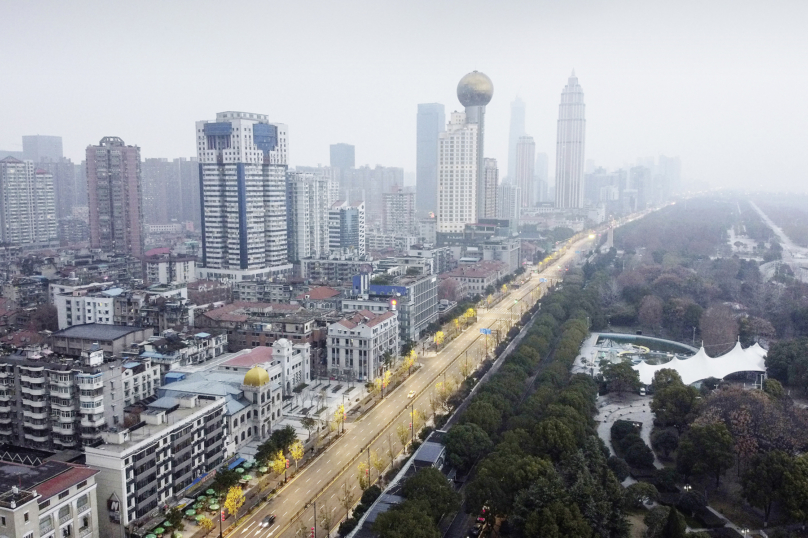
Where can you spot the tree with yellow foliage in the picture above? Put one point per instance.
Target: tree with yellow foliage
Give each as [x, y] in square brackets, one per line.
[207, 524]
[439, 336]
[278, 463]
[234, 500]
[297, 451]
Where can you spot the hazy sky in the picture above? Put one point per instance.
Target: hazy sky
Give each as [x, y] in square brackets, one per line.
[721, 84]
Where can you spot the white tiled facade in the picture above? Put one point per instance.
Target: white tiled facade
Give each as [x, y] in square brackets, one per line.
[243, 161]
[27, 205]
[457, 175]
[308, 201]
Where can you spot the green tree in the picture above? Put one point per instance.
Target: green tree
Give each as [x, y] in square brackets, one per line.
[664, 378]
[764, 480]
[675, 526]
[309, 423]
[795, 489]
[174, 517]
[665, 441]
[553, 438]
[557, 520]
[484, 415]
[465, 443]
[640, 492]
[225, 479]
[708, 449]
[675, 405]
[621, 377]
[655, 520]
[499, 479]
[773, 388]
[430, 485]
[410, 519]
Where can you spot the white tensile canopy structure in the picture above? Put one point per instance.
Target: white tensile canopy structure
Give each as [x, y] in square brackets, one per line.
[701, 366]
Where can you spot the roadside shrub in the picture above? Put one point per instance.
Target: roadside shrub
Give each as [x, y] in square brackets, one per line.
[640, 455]
[619, 467]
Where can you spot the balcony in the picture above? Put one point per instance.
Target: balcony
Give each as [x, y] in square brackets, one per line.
[33, 403]
[63, 427]
[88, 421]
[32, 378]
[45, 528]
[64, 403]
[38, 414]
[82, 508]
[37, 437]
[6, 395]
[65, 518]
[90, 383]
[86, 531]
[65, 442]
[34, 390]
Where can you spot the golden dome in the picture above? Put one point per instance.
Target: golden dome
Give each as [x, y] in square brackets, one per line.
[256, 377]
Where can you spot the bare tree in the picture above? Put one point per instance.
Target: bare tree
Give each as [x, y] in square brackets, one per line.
[719, 329]
[347, 499]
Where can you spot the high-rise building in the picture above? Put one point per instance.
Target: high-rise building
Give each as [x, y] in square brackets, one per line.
[156, 178]
[524, 171]
[308, 201]
[475, 91]
[187, 176]
[64, 184]
[343, 156]
[242, 169]
[508, 202]
[517, 129]
[490, 191]
[671, 169]
[27, 206]
[457, 175]
[346, 227]
[541, 171]
[114, 190]
[569, 176]
[40, 148]
[431, 122]
[399, 213]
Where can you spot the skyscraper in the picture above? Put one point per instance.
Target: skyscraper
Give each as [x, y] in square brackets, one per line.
[399, 213]
[457, 175]
[242, 170]
[156, 177]
[490, 191]
[343, 156]
[346, 226]
[431, 122]
[517, 130]
[525, 156]
[308, 201]
[569, 176]
[27, 207]
[474, 91]
[541, 171]
[114, 193]
[40, 148]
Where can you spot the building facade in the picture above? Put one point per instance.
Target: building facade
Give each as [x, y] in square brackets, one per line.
[27, 206]
[114, 190]
[346, 227]
[357, 344]
[174, 442]
[490, 192]
[308, 202]
[431, 122]
[569, 177]
[242, 163]
[399, 213]
[52, 402]
[524, 171]
[457, 174]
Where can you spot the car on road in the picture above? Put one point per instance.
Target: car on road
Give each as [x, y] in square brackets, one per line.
[411, 394]
[267, 521]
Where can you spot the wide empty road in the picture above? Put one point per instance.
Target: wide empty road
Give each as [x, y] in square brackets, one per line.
[325, 478]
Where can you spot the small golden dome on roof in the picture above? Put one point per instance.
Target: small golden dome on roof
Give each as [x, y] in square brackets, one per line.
[256, 377]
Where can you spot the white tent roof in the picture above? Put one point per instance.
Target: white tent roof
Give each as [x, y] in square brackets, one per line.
[701, 366]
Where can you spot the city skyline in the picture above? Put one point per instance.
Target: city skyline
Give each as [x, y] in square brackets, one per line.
[644, 100]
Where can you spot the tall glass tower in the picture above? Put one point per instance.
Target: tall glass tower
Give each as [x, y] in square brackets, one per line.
[431, 122]
[569, 180]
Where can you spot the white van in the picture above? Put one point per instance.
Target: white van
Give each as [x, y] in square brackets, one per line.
[642, 391]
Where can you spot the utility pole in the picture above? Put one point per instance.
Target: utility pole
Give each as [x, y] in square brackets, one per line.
[314, 525]
[412, 421]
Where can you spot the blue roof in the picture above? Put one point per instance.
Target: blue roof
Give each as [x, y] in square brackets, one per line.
[176, 375]
[202, 335]
[236, 463]
[131, 364]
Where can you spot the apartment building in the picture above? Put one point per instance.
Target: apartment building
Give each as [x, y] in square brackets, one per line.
[54, 402]
[46, 498]
[357, 344]
[143, 467]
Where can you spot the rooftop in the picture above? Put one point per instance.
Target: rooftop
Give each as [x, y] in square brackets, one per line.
[48, 479]
[255, 356]
[96, 331]
[319, 293]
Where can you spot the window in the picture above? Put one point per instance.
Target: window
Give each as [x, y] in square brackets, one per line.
[24, 516]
